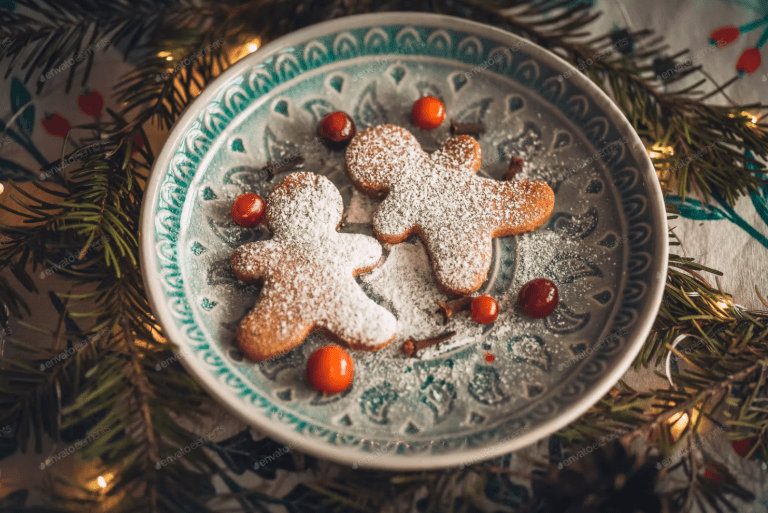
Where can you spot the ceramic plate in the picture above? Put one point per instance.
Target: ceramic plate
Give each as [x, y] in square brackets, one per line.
[489, 389]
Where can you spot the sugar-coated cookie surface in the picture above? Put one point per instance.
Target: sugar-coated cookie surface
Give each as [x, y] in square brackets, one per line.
[308, 270]
[439, 197]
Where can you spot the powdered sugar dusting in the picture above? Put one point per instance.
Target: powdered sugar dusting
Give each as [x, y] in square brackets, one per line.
[308, 269]
[440, 198]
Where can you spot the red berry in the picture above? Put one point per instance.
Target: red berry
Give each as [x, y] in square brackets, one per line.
[538, 298]
[749, 61]
[484, 309]
[712, 472]
[138, 143]
[490, 358]
[248, 209]
[337, 127]
[742, 447]
[724, 36]
[428, 112]
[91, 103]
[56, 125]
[330, 369]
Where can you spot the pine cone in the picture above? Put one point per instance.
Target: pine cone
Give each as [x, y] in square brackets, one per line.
[606, 480]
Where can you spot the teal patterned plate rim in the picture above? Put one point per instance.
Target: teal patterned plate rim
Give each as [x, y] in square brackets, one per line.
[419, 43]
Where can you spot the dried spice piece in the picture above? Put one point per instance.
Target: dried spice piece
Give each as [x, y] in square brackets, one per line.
[474, 129]
[451, 308]
[515, 166]
[410, 346]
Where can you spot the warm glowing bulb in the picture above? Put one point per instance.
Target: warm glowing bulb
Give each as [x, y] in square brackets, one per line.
[166, 55]
[678, 423]
[252, 47]
[1, 188]
[102, 482]
[169, 58]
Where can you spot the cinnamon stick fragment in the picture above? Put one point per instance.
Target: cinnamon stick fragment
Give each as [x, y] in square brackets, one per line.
[474, 129]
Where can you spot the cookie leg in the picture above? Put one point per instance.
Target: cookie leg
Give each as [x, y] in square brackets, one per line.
[358, 322]
[460, 262]
[263, 334]
[391, 222]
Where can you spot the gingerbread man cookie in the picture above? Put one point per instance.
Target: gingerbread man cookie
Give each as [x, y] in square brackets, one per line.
[308, 270]
[439, 197]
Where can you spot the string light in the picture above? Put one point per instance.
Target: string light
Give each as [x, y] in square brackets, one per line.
[102, 482]
[656, 152]
[678, 422]
[751, 118]
[240, 51]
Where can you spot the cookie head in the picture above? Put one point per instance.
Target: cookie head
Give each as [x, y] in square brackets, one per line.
[382, 155]
[304, 203]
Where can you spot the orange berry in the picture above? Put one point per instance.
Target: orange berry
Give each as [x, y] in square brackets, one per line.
[428, 112]
[484, 309]
[248, 209]
[330, 369]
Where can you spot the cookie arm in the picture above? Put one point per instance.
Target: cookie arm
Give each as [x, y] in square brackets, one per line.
[253, 260]
[394, 221]
[524, 204]
[363, 252]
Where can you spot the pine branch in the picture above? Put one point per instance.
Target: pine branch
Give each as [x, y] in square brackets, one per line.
[708, 142]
